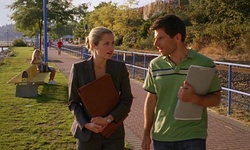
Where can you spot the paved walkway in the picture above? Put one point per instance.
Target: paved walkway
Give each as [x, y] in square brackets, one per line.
[224, 133]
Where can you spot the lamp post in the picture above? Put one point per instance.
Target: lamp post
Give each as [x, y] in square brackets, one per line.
[45, 2]
[7, 35]
[37, 40]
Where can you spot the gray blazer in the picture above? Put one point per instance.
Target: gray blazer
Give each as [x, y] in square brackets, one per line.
[83, 73]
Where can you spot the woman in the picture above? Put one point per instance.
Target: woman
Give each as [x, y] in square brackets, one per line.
[88, 130]
[41, 65]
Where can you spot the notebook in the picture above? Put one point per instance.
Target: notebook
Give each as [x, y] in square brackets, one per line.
[100, 97]
[200, 78]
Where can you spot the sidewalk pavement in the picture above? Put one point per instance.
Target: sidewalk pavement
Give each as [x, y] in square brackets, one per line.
[224, 133]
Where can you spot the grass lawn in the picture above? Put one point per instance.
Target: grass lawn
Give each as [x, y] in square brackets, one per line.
[33, 123]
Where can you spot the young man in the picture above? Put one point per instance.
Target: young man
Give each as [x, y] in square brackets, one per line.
[165, 84]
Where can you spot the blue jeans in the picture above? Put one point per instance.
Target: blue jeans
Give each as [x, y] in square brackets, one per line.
[193, 144]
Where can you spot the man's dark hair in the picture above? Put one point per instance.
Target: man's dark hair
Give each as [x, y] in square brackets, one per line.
[171, 24]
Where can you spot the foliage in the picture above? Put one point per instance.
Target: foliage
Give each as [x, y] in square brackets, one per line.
[29, 18]
[103, 16]
[224, 23]
[121, 20]
[146, 43]
[144, 29]
[245, 38]
[19, 43]
[28, 14]
[59, 30]
[82, 28]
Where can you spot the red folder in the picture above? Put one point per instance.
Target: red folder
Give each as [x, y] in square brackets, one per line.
[100, 97]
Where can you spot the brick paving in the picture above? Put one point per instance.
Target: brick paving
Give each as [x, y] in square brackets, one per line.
[224, 133]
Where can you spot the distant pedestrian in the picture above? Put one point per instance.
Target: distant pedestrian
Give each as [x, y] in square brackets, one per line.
[59, 45]
[85, 51]
[49, 44]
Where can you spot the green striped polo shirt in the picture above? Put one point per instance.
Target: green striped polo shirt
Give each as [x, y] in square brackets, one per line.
[164, 78]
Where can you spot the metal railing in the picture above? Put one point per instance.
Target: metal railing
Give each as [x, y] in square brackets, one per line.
[138, 62]
[230, 81]
[132, 58]
[6, 43]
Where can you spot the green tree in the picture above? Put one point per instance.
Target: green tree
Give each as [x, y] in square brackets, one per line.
[28, 14]
[127, 23]
[102, 15]
[221, 22]
[123, 20]
[81, 30]
[59, 30]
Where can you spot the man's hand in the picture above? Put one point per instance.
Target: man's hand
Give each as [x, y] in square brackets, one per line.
[146, 141]
[186, 93]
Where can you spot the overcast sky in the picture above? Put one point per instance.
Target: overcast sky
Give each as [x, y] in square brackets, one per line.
[5, 12]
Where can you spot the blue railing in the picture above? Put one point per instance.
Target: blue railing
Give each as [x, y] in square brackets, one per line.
[146, 57]
[138, 62]
[230, 80]
[6, 43]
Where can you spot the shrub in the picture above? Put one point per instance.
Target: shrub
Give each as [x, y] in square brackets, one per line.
[19, 43]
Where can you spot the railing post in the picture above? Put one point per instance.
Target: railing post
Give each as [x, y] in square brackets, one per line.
[144, 65]
[133, 65]
[124, 57]
[230, 87]
[117, 55]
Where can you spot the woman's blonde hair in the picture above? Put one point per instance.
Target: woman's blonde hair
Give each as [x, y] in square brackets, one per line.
[95, 36]
[36, 53]
[36, 56]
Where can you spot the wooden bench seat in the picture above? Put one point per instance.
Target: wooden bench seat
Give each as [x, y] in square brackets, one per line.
[27, 82]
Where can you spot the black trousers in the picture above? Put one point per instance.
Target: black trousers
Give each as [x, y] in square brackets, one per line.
[98, 142]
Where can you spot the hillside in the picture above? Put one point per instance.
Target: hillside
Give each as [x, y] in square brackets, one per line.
[7, 33]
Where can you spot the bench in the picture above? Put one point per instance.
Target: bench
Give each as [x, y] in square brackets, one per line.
[27, 82]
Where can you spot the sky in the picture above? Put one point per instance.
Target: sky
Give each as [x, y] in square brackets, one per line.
[5, 12]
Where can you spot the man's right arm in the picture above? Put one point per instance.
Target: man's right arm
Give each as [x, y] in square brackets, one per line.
[149, 108]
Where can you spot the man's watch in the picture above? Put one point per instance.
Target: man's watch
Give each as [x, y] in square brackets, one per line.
[108, 119]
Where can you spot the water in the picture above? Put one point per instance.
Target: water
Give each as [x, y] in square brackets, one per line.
[3, 49]
[2, 53]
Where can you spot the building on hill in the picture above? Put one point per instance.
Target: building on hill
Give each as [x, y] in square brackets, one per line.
[160, 6]
[7, 33]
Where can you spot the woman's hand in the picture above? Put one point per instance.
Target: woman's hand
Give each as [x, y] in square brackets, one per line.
[94, 127]
[99, 120]
[97, 124]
